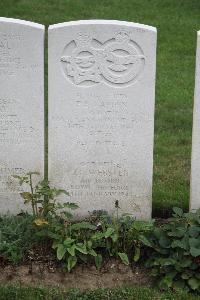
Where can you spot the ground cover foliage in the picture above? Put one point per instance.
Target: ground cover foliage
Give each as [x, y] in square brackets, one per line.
[177, 23]
[17, 235]
[171, 250]
[175, 258]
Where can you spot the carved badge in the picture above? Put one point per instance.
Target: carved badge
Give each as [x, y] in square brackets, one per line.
[119, 61]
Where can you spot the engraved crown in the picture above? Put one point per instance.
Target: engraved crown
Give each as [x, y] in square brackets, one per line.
[83, 40]
[122, 36]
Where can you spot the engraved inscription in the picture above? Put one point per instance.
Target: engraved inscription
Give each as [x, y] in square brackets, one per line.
[106, 180]
[12, 130]
[9, 59]
[7, 182]
[117, 62]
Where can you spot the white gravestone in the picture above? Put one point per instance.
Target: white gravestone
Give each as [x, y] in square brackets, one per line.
[21, 106]
[195, 168]
[101, 114]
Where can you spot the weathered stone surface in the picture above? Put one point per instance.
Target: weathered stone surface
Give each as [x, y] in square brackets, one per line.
[101, 114]
[195, 170]
[21, 106]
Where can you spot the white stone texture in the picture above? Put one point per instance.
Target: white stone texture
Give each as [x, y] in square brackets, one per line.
[195, 167]
[21, 106]
[101, 114]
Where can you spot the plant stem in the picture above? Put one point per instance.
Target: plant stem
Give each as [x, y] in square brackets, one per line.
[32, 193]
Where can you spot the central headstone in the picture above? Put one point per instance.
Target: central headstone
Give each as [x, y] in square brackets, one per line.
[101, 114]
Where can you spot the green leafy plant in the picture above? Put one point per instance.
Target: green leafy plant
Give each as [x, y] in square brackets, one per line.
[72, 241]
[110, 236]
[175, 258]
[107, 237]
[44, 199]
[138, 237]
[84, 241]
[17, 234]
[122, 236]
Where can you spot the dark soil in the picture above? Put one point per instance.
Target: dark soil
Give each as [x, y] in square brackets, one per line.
[112, 274]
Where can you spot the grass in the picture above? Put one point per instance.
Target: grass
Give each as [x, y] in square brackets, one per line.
[14, 292]
[177, 23]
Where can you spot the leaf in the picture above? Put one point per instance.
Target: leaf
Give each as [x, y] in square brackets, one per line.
[179, 244]
[41, 233]
[16, 176]
[197, 275]
[194, 283]
[60, 191]
[172, 274]
[55, 244]
[83, 257]
[26, 196]
[97, 236]
[124, 258]
[194, 242]
[194, 251]
[179, 284]
[59, 205]
[70, 205]
[194, 231]
[81, 248]
[109, 232]
[61, 250]
[154, 272]
[68, 241]
[83, 225]
[114, 237]
[67, 214]
[92, 252]
[185, 263]
[158, 232]
[166, 281]
[71, 250]
[71, 262]
[178, 211]
[40, 222]
[164, 242]
[168, 261]
[137, 254]
[145, 241]
[21, 181]
[89, 244]
[98, 261]
[143, 225]
[177, 232]
[186, 275]
[53, 235]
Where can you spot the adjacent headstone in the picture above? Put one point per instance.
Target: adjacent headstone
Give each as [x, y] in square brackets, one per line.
[195, 168]
[101, 114]
[21, 106]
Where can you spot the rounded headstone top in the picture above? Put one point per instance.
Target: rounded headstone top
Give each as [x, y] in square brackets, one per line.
[22, 22]
[103, 22]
